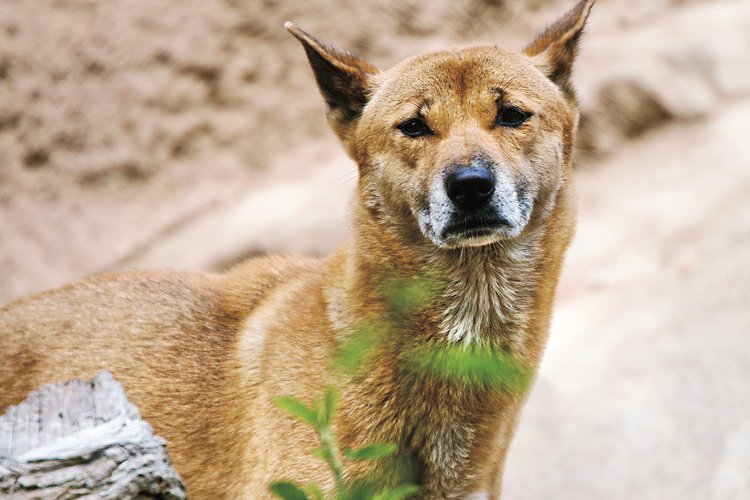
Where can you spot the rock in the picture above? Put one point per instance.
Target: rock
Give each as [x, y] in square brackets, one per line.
[83, 440]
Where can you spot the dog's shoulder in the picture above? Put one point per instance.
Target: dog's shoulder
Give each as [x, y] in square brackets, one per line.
[248, 283]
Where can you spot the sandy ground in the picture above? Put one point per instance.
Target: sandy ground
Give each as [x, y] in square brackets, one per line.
[151, 133]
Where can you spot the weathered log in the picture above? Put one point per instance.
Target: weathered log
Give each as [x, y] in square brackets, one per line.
[83, 440]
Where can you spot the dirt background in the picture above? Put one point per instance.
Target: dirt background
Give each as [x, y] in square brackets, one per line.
[155, 133]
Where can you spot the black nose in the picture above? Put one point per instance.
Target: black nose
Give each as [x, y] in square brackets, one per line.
[470, 188]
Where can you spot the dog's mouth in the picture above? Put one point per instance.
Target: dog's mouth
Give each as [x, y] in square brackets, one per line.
[468, 230]
[470, 226]
[474, 232]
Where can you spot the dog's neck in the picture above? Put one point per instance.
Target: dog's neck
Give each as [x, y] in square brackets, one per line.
[495, 296]
[480, 294]
[484, 297]
[487, 292]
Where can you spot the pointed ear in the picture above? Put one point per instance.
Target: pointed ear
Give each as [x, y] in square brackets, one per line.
[343, 78]
[555, 48]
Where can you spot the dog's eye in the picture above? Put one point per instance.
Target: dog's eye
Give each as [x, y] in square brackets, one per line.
[511, 117]
[414, 127]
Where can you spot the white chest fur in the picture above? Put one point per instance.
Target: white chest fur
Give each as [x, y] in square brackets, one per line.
[488, 293]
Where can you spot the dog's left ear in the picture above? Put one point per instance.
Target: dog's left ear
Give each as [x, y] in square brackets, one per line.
[554, 49]
[343, 78]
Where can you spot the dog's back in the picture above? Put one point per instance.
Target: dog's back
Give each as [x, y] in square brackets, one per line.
[169, 337]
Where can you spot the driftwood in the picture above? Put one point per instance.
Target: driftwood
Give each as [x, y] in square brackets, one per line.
[83, 440]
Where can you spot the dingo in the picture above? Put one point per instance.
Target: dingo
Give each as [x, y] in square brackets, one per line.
[464, 159]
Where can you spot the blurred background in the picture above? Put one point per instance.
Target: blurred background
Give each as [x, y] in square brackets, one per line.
[190, 134]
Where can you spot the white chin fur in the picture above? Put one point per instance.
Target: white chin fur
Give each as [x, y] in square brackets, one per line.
[473, 241]
[427, 226]
[459, 241]
[469, 241]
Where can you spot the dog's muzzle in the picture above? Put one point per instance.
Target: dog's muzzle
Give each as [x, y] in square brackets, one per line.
[475, 205]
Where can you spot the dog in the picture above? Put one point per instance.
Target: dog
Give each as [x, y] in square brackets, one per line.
[464, 161]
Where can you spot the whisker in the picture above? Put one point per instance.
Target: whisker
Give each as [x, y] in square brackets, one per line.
[339, 183]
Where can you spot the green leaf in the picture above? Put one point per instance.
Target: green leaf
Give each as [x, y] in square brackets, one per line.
[481, 367]
[287, 491]
[315, 492]
[371, 452]
[297, 409]
[322, 454]
[409, 295]
[331, 400]
[360, 491]
[397, 493]
[357, 353]
[319, 410]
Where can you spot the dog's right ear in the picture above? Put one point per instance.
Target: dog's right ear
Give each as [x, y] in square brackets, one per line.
[343, 78]
[554, 49]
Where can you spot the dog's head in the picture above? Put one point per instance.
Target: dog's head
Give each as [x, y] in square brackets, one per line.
[470, 145]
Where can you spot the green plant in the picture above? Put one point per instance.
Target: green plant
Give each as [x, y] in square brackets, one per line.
[320, 416]
[481, 367]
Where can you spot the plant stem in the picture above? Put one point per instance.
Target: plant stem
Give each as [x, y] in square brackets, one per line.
[328, 442]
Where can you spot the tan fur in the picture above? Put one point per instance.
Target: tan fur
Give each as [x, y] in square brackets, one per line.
[203, 356]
